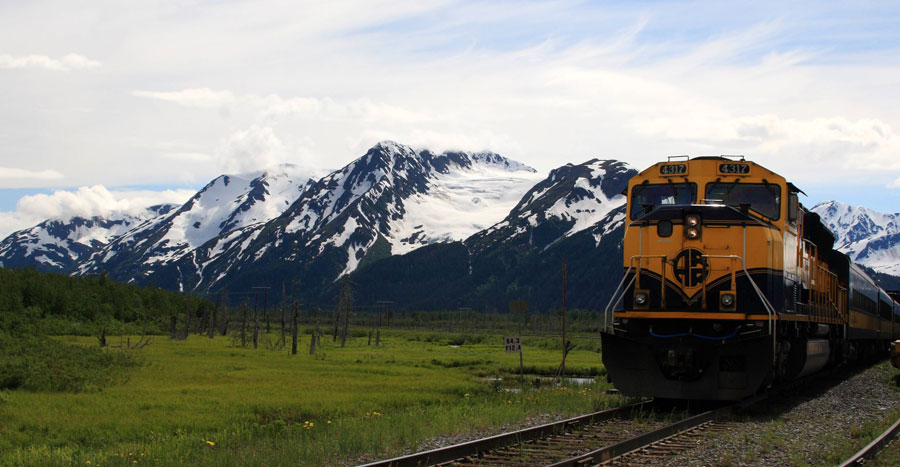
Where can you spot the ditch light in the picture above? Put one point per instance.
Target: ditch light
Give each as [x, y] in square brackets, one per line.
[692, 226]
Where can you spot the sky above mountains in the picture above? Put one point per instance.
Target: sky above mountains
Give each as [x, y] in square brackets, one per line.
[113, 105]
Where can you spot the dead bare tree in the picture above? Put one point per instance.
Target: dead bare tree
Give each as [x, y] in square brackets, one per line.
[255, 329]
[142, 342]
[225, 312]
[294, 332]
[244, 324]
[187, 320]
[211, 325]
[283, 310]
[345, 304]
[337, 323]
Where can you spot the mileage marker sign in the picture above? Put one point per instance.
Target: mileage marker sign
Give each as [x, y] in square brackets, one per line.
[513, 344]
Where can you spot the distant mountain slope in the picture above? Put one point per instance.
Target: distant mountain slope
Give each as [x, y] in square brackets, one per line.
[58, 245]
[225, 205]
[392, 199]
[868, 237]
[575, 215]
[571, 199]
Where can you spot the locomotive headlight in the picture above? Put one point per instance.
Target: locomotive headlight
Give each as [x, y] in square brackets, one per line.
[727, 300]
[641, 298]
[692, 226]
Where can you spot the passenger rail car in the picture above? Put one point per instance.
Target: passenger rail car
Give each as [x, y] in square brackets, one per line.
[730, 284]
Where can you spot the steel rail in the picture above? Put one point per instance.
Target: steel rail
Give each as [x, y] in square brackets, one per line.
[643, 440]
[632, 444]
[874, 447]
[471, 448]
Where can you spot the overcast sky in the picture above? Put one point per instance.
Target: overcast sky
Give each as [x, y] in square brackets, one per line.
[114, 105]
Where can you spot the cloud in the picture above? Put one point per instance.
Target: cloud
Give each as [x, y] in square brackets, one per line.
[187, 156]
[14, 221]
[85, 201]
[361, 109]
[95, 200]
[894, 184]
[252, 149]
[69, 62]
[14, 173]
[543, 82]
[191, 97]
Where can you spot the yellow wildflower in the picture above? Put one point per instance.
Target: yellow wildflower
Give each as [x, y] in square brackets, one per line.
[210, 443]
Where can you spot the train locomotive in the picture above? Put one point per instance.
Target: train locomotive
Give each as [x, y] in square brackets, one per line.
[731, 285]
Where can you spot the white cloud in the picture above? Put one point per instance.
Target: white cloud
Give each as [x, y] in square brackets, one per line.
[15, 173]
[85, 202]
[67, 63]
[251, 149]
[14, 221]
[95, 200]
[544, 82]
[187, 156]
[191, 97]
[894, 184]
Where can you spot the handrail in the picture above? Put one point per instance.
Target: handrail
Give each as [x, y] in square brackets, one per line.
[770, 310]
[613, 301]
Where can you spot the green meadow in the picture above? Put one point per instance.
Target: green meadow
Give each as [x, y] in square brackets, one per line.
[207, 401]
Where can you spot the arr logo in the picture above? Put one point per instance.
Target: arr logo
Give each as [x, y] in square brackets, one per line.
[689, 268]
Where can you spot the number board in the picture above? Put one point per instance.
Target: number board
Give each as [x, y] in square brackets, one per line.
[733, 168]
[673, 169]
[513, 344]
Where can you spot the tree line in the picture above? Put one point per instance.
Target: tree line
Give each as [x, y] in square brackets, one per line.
[49, 303]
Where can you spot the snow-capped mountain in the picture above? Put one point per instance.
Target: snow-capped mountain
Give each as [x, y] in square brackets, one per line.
[57, 245]
[391, 200]
[228, 203]
[575, 215]
[868, 237]
[573, 198]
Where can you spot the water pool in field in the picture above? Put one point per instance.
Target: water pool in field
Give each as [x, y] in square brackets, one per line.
[514, 383]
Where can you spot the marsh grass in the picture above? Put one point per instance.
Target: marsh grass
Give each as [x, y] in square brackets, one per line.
[40, 363]
[205, 402]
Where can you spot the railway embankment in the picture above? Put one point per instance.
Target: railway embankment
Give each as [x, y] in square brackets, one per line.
[812, 426]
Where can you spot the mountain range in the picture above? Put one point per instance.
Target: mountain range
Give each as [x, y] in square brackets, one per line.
[425, 230]
[869, 238]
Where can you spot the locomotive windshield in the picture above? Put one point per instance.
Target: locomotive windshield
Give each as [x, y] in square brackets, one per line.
[645, 198]
[762, 198]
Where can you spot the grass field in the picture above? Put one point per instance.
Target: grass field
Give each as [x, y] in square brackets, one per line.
[208, 402]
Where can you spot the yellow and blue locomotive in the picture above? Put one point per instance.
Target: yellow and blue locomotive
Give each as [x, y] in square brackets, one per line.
[731, 285]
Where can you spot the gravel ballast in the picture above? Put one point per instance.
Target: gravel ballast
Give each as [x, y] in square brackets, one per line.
[813, 427]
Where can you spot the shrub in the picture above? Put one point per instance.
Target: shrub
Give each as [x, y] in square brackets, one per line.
[37, 363]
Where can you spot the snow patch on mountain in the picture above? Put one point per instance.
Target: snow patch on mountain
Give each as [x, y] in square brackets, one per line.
[868, 237]
[460, 203]
[590, 204]
[227, 204]
[60, 243]
[233, 201]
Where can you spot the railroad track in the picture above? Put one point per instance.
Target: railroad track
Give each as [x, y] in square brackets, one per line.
[585, 440]
[672, 445]
[621, 436]
[874, 447]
